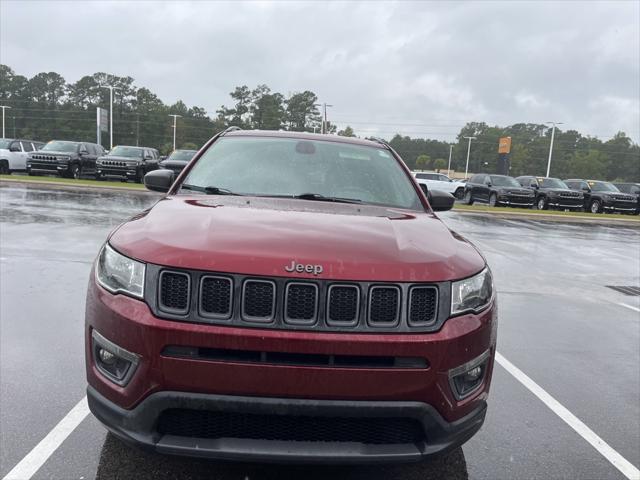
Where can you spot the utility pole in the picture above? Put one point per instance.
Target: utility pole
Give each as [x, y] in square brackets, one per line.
[137, 129]
[3, 107]
[111, 89]
[466, 169]
[175, 118]
[324, 122]
[449, 167]
[553, 133]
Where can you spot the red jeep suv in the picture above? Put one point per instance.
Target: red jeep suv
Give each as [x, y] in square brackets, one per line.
[292, 298]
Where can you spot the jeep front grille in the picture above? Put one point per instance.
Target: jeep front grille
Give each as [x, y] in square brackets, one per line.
[291, 303]
[174, 292]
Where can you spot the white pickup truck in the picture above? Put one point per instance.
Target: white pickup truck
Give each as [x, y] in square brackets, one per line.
[439, 181]
[13, 154]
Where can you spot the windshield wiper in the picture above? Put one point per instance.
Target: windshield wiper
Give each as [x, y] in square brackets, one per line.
[211, 190]
[321, 198]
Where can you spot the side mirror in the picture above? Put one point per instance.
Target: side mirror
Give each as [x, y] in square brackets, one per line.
[440, 201]
[159, 180]
[489, 184]
[586, 189]
[83, 154]
[148, 157]
[534, 185]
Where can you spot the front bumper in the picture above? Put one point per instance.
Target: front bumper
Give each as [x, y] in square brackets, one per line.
[123, 172]
[619, 206]
[139, 427]
[516, 201]
[44, 167]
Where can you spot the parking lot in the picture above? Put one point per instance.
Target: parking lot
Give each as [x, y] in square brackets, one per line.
[576, 340]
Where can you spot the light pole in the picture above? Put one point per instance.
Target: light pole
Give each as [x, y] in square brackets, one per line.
[449, 167]
[324, 122]
[466, 168]
[553, 133]
[3, 107]
[111, 89]
[175, 118]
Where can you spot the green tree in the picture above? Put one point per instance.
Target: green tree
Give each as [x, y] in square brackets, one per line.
[439, 164]
[301, 112]
[423, 162]
[347, 132]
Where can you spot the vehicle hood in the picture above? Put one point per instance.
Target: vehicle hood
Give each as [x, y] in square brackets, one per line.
[52, 153]
[260, 236]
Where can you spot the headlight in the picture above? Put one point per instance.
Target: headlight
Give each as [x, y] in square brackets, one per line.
[607, 197]
[472, 294]
[120, 274]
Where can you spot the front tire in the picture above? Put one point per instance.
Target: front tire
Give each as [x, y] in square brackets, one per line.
[541, 203]
[493, 200]
[74, 172]
[459, 193]
[4, 169]
[468, 198]
[595, 206]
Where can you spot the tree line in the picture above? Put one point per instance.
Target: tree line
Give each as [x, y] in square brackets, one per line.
[46, 106]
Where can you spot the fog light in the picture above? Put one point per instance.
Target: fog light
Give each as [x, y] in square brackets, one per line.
[467, 378]
[106, 356]
[113, 361]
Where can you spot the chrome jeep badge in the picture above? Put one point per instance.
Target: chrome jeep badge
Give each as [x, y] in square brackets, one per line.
[302, 268]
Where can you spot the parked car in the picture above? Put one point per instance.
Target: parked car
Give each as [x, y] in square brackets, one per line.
[13, 154]
[602, 196]
[281, 304]
[497, 190]
[64, 158]
[178, 160]
[552, 193]
[631, 189]
[127, 163]
[439, 181]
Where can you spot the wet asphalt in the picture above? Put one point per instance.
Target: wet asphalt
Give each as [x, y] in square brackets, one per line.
[558, 323]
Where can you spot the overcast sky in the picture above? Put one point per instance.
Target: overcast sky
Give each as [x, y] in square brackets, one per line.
[418, 68]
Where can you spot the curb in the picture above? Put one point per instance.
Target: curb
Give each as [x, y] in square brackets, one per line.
[617, 222]
[73, 187]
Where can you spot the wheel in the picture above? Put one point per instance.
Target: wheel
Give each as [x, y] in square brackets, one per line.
[493, 200]
[595, 206]
[541, 203]
[31, 174]
[468, 198]
[75, 171]
[459, 193]
[4, 169]
[98, 176]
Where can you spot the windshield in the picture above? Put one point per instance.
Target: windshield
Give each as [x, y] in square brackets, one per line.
[58, 146]
[120, 151]
[185, 155]
[602, 187]
[288, 167]
[500, 181]
[551, 183]
[4, 143]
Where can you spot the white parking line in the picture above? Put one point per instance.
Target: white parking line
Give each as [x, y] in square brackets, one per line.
[49, 444]
[617, 460]
[631, 307]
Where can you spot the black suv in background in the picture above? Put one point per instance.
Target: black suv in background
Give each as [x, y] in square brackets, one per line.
[602, 196]
[177, 160]
[67, 159]
[497, 190]
[552, 193]
[632, 189]
[125, 162]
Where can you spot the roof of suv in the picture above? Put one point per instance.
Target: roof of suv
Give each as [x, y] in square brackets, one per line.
[304, 136]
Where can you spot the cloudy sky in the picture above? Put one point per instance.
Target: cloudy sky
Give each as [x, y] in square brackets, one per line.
[418, 68]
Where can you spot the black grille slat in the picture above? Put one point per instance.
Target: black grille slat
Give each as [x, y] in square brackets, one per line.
[216, 297]
[384, 305]
[301, 302]
[214, 425]
[174, 291]
[258, 302]
[423, 303]
[343, 304]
